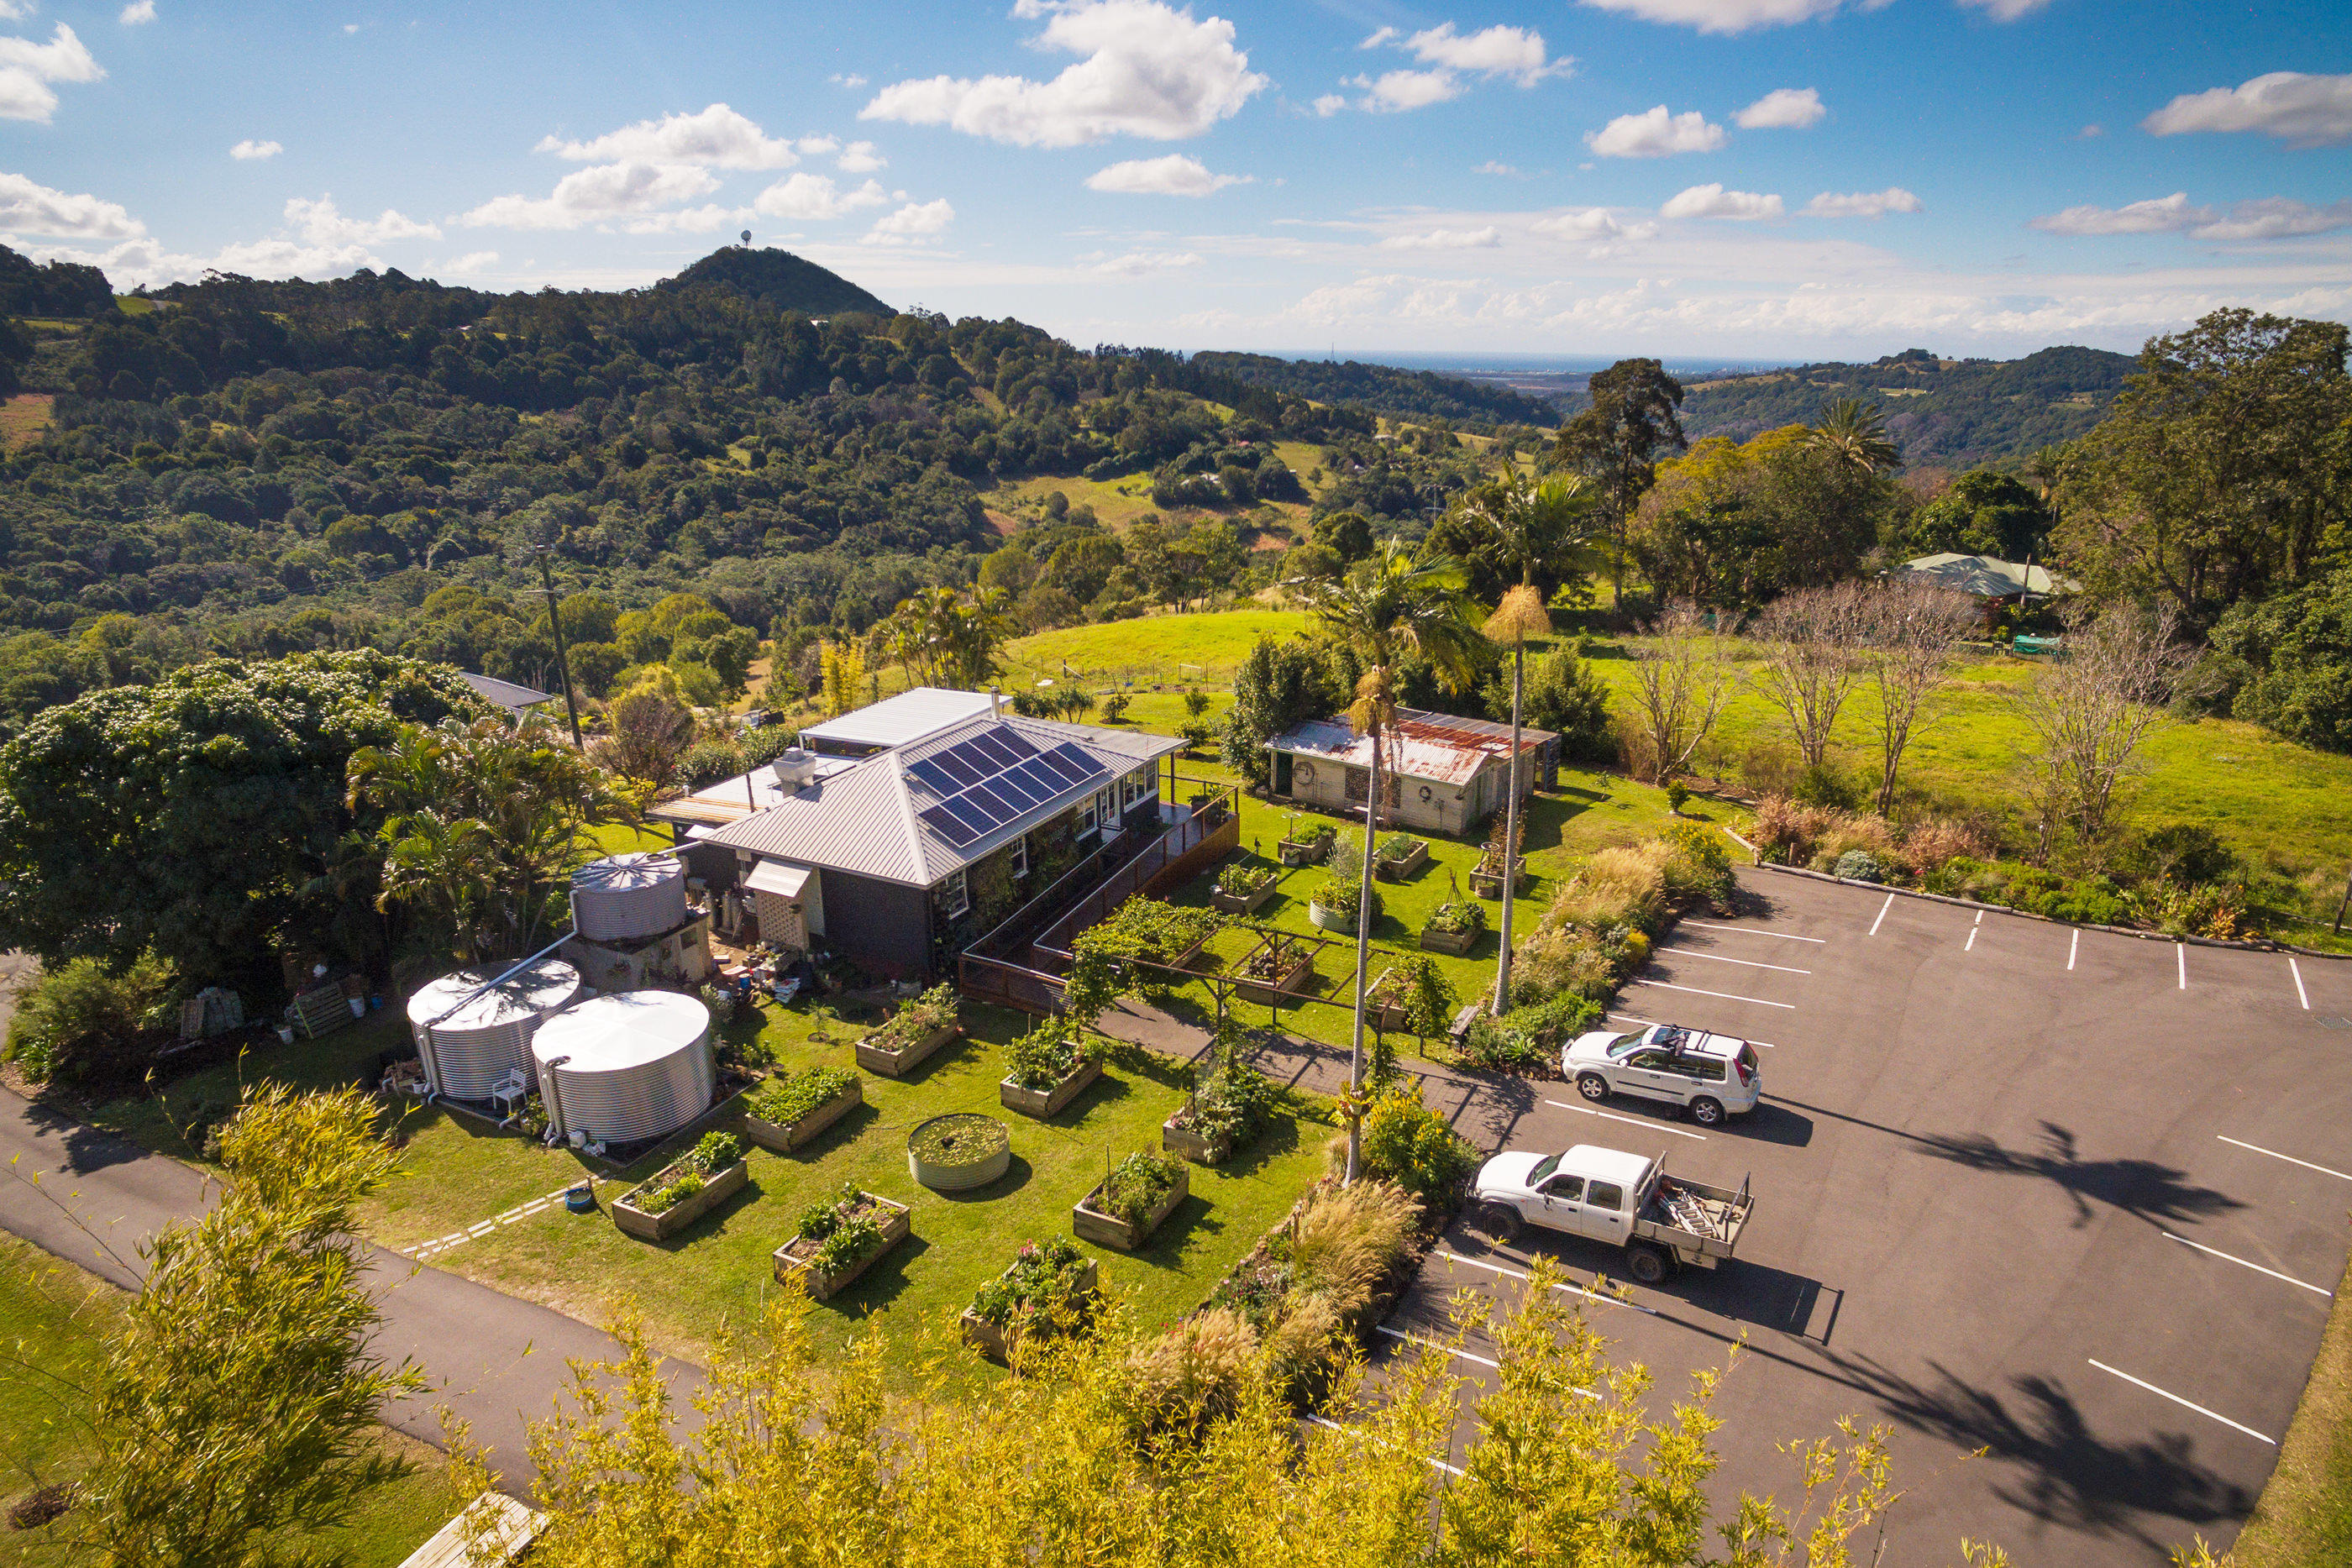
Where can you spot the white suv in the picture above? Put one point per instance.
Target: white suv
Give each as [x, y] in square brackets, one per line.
[1714, 1075]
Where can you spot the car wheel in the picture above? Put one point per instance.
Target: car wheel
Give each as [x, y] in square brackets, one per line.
[1647, 1264]
[1707, 1112]
[1592, 1086]
[1499, 1222]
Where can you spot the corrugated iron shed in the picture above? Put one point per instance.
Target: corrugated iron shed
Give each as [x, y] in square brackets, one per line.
[1440, 748]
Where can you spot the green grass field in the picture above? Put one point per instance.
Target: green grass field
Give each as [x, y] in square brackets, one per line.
[2304, 1516]
[57, 1319]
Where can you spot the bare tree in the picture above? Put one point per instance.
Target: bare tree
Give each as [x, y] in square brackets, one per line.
[2093, 708]
[1912, 629]
[1682, 676]
[1811, 641]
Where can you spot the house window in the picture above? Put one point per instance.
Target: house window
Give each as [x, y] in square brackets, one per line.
[955, 896]
[1107, 807]
[1085, 827]
[1021, 856]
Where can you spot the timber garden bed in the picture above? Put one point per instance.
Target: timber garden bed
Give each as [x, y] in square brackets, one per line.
[684, 1190]
[839, 1241]
[1126, 1206]
[785, 1114]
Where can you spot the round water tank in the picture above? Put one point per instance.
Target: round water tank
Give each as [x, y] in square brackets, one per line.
[627, 1068]
[629, 896]
[488, 1036]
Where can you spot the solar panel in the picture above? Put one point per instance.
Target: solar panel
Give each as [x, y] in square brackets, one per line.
[991, 780]
[964, 770]
[948, 828]
[935, 779]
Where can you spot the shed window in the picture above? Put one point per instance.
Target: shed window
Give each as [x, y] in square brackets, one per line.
[955, 896]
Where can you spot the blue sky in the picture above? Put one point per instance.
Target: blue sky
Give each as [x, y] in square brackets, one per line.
[1744, 179]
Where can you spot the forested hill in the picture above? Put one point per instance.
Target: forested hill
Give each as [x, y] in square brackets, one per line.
[776, 279]
[1384, 389]
[1952, 413]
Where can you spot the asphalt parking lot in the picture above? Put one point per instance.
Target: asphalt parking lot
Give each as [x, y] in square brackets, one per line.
[2074, 1198]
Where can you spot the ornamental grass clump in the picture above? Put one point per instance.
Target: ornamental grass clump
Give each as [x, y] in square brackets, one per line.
[1193, 1375]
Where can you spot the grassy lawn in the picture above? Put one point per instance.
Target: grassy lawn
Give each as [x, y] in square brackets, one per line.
[2305, 1515]
[58, 1318]
[1153, 650]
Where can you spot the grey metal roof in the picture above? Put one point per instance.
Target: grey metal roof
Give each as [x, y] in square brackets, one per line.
[866, 819]
[913, 715]
[504, 694]
[1986, 576]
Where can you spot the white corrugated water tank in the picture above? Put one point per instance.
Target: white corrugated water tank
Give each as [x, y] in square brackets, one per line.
[625, 1068]
[489, 1036]
[625, 897]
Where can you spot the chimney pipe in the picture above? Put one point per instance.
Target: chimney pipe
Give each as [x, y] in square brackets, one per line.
[995, 703]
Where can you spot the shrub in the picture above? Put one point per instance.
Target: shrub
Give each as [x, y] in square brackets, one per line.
[767, 743]
[706, 762]
[1860, 866]
[83, 1024]
[1677, 795]
[1136, 1185]
[1930, 844]
[1409, 1143]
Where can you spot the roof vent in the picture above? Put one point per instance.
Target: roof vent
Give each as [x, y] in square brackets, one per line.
[795, 767]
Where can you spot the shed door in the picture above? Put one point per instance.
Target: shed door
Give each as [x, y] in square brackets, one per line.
[1282, 773]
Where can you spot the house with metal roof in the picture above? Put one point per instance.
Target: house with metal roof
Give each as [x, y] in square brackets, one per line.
[1439, 773]
[515, 700]
[900, 858]
[913, 714]
[1985, 577]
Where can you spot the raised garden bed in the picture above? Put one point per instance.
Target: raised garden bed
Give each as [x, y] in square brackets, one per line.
[865, 1226]
[920, 1029]
[1488, 884]
[1250, 891]
[1047, 1288]
[1454, 928]
[797, 1116]
[1093, 1222]
[1308, 851]
[1384, 1000]
[961, 1150]
[1043, 1102]
[1342, 920]
[1391, 863]
[1187, 1144]
[1272, 967]
[684, 1190]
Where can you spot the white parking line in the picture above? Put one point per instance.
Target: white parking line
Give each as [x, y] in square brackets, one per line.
[2073, 948]
[2290, 1159]
[1882, 913]
[2299, 994]
[1326, 1421]
[2242, 1263]
[2184, 1403]
[1743, 963]
[2180, 952]
[1972, 932]
[1572, 1289]
[1726, 996]
[1636, 1121]
[1758, 931]
[1653, 1023]
[1434, 1344]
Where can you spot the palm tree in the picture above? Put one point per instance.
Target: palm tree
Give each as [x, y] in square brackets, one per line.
[1853, 435]
[1525, 521]
[1389, 605]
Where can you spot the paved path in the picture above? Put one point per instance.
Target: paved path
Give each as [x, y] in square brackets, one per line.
[497, 1360]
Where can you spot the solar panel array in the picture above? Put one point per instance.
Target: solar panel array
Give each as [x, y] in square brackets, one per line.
[994, 779]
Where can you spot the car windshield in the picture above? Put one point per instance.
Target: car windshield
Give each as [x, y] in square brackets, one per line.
[1544, 1167]
[1626, 1044]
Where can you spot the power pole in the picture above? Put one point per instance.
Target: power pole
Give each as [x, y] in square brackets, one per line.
[563, 664]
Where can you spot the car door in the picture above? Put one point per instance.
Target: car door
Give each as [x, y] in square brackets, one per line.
[1559, 1204]
[1601, 1215]
[1647, 1072]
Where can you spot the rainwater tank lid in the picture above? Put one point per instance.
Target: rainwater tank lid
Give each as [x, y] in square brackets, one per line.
[628, 873]
[610, 1034]
[545, 985]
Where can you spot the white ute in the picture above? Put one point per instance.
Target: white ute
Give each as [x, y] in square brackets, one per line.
[1607, 1195]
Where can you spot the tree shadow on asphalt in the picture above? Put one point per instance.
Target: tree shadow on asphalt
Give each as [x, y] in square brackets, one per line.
[2145, 1189]
[2068, 1475]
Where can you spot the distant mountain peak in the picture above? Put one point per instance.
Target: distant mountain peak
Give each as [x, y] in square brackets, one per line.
[776, 279]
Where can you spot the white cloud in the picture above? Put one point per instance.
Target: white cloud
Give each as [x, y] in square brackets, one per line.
[911, 224]
[1782, 109]
[2161, 214]
[860, 158]
[17, 10]
[1723, 16]
[702, 220]
[852, 81]
[146, 263]
[2007, 10]
[1379, 35]
[1394, 91]
[1712, 201]
[26, 207]
[1447, 239]
[2267, 218]
[1595, 224]
[1149, 70]
[716, 138]
[321, 224]
[1174, 175]
[808, 198]
[473, 261]
[1139, 263]
[1655, 134]
[1329, 104]
[248, 150]
[1495, 166]
[1517, 53]
[1862, 203]
[593, 195]
[2301, 110]
[27, 69]
[137, 12]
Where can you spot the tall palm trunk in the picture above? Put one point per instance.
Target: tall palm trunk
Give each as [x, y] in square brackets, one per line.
[1364, 949]
[1511, 829]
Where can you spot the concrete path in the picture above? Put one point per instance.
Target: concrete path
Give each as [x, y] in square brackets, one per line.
[94, 1198]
